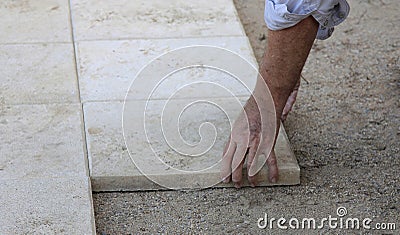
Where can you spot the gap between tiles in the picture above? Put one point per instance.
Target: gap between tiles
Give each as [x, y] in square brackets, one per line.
[85, 147]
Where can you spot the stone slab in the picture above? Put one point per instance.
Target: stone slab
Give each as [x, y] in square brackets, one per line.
[46, 206]
[38, 73]
[107, 68]
[35, 21]
[113, 169]
[124, 19]
[41, 141]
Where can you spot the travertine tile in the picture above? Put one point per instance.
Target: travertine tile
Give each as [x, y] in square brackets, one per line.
[107, 68]
[113, 169]
[46, 206]
[124, 19]
[41, 141]
[34, 21]
[38, 73]
[107, 153]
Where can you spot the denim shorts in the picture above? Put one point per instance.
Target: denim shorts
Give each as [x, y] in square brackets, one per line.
[281, 14]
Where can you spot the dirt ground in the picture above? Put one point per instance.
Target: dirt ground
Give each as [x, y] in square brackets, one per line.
[344, 129]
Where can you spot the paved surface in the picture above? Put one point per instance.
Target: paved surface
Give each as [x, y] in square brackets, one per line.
[44, 178]
[66, 69]
[344, 130]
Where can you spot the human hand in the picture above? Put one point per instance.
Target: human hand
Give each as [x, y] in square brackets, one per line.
[290, 101]
[250, 137]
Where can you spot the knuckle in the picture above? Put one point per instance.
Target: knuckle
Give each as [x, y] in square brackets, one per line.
[271, 161]
[236, 179]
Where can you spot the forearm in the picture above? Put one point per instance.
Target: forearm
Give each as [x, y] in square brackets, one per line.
[285, 56]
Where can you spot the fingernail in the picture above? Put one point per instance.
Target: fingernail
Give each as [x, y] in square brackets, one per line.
[273, 179]
[237, 185]
[226, 180]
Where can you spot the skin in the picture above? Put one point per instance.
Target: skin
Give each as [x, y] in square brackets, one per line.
[283, 61]
[291, 100]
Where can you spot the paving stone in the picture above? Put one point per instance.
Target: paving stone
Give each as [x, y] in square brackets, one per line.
[46, 206]
[34, 21]
[38, 73]
[112, 168]
[41, 141]
[107, 68]
[124, 19]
